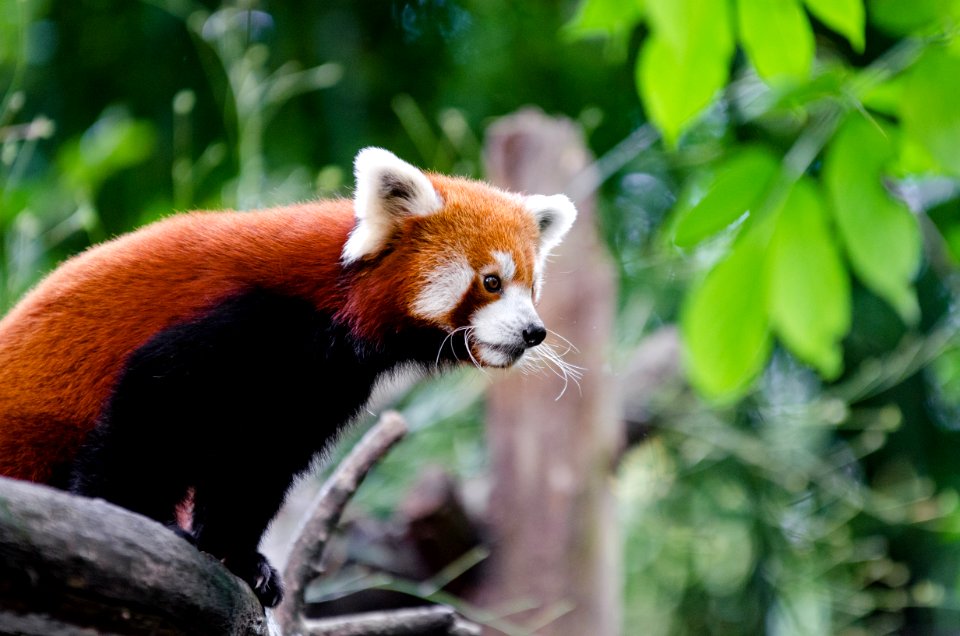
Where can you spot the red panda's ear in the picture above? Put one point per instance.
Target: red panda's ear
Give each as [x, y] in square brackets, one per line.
[554, 215]
[387, 190]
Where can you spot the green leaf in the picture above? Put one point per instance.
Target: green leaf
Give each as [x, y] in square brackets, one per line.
[736, 188]
[777, 38]
[846, 17]
[684, 62]
[914, 158]
[929, 110]
[674, 20]
[614, 19]
[884, 97]
[809, 291]
[831, 82]
[900, 17]
[724, 323]
[880, 235]
[952, 236]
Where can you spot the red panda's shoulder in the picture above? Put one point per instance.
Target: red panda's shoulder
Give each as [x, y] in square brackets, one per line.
[64, 344]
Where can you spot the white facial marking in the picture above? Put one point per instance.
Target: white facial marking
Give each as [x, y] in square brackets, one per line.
[498, 327]
[444, 289]
[537, 282]
[507, 268]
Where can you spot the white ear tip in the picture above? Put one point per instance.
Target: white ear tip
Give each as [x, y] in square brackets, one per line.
[372, 155]
[554, 213]
[387, 189]
[562, 204]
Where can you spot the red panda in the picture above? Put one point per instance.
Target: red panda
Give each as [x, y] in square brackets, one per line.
[216, 353]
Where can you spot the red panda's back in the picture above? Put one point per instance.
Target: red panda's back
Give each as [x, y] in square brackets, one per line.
[64, 346]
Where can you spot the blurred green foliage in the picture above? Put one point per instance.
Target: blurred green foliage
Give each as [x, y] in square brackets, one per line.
[814, 145]
[800, 222]
[829, 113]
[248, 104]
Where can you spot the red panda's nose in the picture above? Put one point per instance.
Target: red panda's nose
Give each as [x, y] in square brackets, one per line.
[534, 334]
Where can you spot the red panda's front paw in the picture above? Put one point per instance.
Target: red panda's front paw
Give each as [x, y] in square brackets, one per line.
[262, 578]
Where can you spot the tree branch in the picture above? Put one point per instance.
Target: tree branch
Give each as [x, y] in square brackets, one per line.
[303, 562]
[70, 565]
[413, 622]
[68, 562]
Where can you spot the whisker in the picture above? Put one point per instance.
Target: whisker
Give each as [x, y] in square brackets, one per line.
[561, 368]
[443, 343]
[551, 362]
[570, 345]
[530, 364]
[558, 370]
[466, 337]
[436, 363]
[556, 357]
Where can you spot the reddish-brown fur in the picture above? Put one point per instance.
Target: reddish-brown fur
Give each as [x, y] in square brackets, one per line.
[64, 346]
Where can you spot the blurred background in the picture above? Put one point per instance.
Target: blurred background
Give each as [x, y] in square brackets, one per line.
[776, 186]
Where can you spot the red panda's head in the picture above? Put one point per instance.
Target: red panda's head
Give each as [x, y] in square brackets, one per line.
[455, 253]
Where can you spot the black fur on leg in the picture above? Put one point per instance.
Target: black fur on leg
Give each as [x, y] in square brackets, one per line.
[128, 469]
[256, 571]
[234, 405]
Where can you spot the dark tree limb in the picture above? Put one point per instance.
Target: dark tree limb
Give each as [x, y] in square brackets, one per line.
[71, 565]
[68, 563]
[405, 622]
[303, 563]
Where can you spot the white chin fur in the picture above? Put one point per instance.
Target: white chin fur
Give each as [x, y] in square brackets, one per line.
[494, 357]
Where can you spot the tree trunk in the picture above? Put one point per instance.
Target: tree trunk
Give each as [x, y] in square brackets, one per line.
[556, 547]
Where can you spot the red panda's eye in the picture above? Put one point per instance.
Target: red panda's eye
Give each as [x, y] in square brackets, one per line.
[491, 283]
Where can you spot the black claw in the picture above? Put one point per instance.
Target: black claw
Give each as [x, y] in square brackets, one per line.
[270, 591]
[262, 578]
